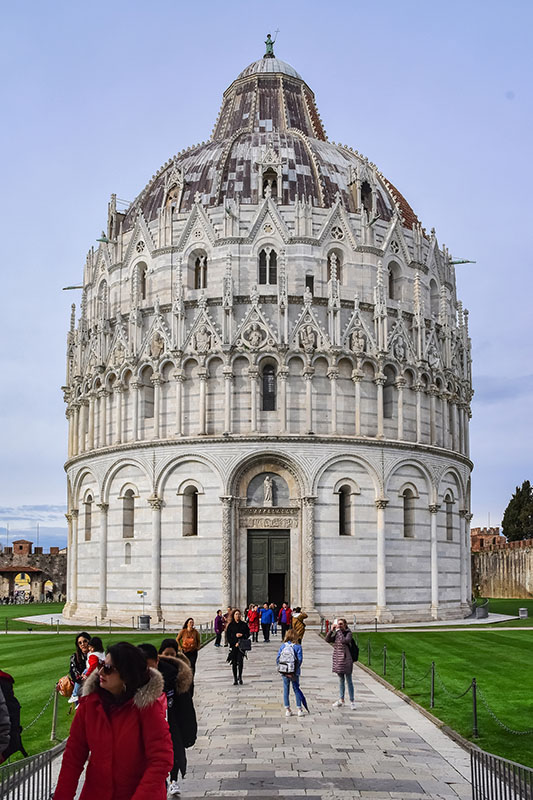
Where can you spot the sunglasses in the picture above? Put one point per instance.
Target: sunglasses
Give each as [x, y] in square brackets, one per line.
[107, 669]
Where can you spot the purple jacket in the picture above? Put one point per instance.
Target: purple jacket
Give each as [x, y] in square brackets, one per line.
[342, 658]
[219, 623]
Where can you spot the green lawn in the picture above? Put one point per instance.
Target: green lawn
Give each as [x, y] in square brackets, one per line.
[504, 605]
[500, 660]
[37, 662]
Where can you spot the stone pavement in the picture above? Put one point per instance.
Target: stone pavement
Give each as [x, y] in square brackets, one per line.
[247, 747]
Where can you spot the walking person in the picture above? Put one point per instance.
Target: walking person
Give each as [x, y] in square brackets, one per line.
[78, 664]
[274, 627]
[267, 617]
[228, 616]
[237, 630]
[120, 725]
[253, 622]
[341, 637]
[285, 619]
[188, 640]
[298, 617]
[219, 627]
[289, 661]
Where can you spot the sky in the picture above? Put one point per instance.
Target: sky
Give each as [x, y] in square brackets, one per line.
[97, 96]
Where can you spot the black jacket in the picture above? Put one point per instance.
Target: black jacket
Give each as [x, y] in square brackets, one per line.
[234, 628]
[178, 677]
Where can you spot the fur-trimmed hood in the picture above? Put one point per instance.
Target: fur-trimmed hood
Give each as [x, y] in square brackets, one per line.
[146, 696]
[185, 676]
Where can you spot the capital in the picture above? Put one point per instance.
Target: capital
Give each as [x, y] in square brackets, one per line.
[155, 502]
[433, 508]
[74, 513]
[103, 507]
[309, 501]
[381, 503]
[400, 383]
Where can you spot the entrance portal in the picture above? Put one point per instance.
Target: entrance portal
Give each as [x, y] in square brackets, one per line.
[268, 567]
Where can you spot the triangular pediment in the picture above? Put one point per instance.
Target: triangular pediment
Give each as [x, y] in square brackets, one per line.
[306, 326]
[400, 343]
[141, 242]
[337, 227]
[157, 341]
[357, 335]
[119, 347]
[432, 350]
[394, 244]
[198, 229]
[255, 332]
[203, 337]
[268, 222]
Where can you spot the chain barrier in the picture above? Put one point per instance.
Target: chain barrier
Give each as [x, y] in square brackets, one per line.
[417, 680]
[41, 712]
[447, 691]
[498, 721]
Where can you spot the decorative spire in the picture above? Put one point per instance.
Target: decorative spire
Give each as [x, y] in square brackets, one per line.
[269, 51]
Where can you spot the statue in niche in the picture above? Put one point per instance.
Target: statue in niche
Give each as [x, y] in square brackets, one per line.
[203, 340]
[254, 295]
[358, 340]
[119, 353]
[267, 491]
[433, 357]
[308, 296]
[254, 336]
[399, 349]
[308, 339]
[157, 345]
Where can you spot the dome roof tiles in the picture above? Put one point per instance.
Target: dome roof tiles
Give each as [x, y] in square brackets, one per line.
[269, 65]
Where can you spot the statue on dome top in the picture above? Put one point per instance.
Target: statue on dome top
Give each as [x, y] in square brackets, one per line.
[269, 52]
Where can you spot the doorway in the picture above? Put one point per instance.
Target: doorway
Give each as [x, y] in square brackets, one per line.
[268, 567]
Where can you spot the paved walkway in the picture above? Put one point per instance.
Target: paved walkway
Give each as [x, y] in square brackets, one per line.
[247, 747]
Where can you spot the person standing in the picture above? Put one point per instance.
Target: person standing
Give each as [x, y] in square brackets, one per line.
[289, 661]
[120, 722]
[228, 617]
[188, 640]
[285, 619]
[267, 617]
[298, 617]
[237, 630]
[253, 622]
[274, 627]
[340, 635]
[219, 627]
[78, 663]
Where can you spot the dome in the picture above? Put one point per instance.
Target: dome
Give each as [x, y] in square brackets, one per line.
[268, 109]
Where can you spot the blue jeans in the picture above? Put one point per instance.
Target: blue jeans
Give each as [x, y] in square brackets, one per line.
[286, 689]
[349, 681]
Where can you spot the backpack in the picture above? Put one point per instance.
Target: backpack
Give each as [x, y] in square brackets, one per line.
[13, 707]
[354, 650]
[287, 659]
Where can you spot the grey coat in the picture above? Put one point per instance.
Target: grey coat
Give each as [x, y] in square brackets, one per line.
[342, 658]
[5, 725]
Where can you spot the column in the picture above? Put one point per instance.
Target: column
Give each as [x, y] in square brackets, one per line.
[418, 388]
[226, 581]
[156, 381]
[467, 418]
[433, 510]
[308, 377]
[117, 427]
[179, 378]
[433, 391]
[381, 565]
[400, 385]
[468, 520]
[357, 377]
[70, 421]
[134, 390]
[455, 438]
[444, 411]
[155, 504]
[202, 401]
[228, 387]
[103, 559]
[283, 374]
[90, 437]
[69, 558]
[308, 561]
[333, 375]
[379, 380]
[253, 374]
[75, 425]
[461, 415]
[82, 425]
[103, 418]
[74, 562]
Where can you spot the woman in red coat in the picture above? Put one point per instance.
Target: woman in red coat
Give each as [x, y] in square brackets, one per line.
[121, 724]
[253, 622]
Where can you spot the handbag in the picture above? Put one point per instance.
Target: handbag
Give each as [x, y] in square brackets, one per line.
[65, 687]
[245, 645]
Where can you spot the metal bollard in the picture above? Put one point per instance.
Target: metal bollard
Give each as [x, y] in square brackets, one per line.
[368, 650]
[109, 626]
[403, 670]
[96, 622]
[384, 659]
[57, 626]
[133, 623]
[432, 700]
[375, 625]
[54, 716]
[475, 732]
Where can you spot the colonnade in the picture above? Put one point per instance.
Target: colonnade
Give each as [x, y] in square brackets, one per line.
[90, 416]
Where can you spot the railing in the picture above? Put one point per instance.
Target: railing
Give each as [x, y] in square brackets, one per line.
[31, 778]
[495, 778]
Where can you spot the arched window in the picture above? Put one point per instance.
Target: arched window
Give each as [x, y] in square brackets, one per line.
[448, 500]
[345, 511]
[388, 393]
[127, 553]
[190, 511]
[335, 265]
[268, 267]
[128, 514]
[434, 298]
[310, 283]
[270, 182]
[147, 397]
[88, 517]
[200, 271]
[408, 514]
[366, 196]
[142, 280]
[269, 388]
[395, 281]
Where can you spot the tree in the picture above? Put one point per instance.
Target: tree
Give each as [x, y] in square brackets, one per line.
[518, 517]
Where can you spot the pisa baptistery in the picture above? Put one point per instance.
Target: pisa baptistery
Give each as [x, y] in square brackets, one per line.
[268, 385]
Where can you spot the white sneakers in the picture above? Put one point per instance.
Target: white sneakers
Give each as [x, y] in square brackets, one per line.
[352, 705]
[173, 789]
[288, 712]
[301, 712]
[340, 703]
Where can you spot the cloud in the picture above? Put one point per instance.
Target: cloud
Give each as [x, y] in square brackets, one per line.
[490, 390]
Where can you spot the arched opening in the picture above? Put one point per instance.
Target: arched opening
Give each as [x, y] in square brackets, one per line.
[142, 280]
[270, 182]
[127, 553]
[147, 394]
[310, 283]
[269, 388]
[200, 271]
[448, 501]
[88, 517]
[395, 281]
[434, 298]
[190, 511]
[128, 514]
[268, 267]
[366, 196]
[388, 393]
[335, 264]
[345, 511]
[408, 514]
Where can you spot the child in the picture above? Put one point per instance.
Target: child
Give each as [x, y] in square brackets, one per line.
[96, 654]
